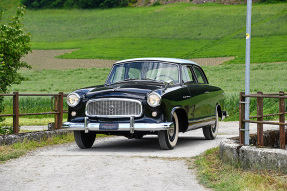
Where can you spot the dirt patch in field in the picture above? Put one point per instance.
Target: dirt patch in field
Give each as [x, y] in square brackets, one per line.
[46, 59]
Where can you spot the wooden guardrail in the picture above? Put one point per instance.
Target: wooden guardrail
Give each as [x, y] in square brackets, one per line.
[281, 96]
[57, 110]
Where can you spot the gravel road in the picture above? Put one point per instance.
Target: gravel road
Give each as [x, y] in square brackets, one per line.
[113, 163]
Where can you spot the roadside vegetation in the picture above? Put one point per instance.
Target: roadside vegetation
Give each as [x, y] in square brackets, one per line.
[218, 176]
[16, 150]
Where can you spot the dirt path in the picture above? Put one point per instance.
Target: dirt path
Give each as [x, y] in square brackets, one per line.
[45, 59]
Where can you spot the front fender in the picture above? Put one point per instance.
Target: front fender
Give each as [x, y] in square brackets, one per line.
[176, 109]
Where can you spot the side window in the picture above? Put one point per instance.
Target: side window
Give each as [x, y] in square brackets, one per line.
[187, 75]
[200, 75]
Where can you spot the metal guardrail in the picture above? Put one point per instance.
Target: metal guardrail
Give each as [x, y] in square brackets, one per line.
[57, 110]
[281, 96]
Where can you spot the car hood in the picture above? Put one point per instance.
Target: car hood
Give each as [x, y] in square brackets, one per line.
[135, 90]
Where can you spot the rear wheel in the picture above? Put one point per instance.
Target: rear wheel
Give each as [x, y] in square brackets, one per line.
[168, 138]
[210, 132]
[84, 140]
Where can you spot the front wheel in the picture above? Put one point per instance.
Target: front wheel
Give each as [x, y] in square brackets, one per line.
[84, 140]
[210, 132]
[168, 138]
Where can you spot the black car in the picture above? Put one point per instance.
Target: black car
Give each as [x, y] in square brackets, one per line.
[162, 96]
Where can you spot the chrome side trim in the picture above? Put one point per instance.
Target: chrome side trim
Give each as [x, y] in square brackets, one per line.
[122, 126]
[201, 123]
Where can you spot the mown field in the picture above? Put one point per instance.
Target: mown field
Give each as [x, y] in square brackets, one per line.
[181, 30]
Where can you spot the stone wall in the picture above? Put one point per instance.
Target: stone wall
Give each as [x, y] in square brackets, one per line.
[36, 136]
[251, 157]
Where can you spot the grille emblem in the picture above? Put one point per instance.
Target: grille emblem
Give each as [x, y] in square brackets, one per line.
[111, 108]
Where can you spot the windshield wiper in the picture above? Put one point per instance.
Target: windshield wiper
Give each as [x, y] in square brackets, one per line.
[152, 80]
[126, 80]
[131, 79]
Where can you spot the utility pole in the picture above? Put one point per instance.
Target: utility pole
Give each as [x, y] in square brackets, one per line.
[247, 70]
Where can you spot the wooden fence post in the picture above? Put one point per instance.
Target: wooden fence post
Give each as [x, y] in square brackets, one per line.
[16, 112]
[241, 117]
[282, 120]
[59, 108]
[260, 141]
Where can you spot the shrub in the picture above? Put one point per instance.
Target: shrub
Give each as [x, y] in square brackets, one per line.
[14, 43]
[272, 1]
[81, 4]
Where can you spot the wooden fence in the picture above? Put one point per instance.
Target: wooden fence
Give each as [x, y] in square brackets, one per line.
[57, 109]
[281, 96]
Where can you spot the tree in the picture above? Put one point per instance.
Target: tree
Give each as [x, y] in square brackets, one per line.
[14, 44]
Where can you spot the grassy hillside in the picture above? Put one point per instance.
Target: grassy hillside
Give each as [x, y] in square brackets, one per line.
[182, 30]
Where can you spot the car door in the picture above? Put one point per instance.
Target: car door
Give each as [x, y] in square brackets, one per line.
[197, 90]
[210, 93]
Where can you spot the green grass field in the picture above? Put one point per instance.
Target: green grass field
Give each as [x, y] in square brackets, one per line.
[181, 30]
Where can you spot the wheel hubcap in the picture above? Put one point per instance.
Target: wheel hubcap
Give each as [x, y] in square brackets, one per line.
[171, 133]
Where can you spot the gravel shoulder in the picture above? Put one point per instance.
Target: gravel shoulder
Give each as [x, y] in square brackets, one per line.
[113, 163]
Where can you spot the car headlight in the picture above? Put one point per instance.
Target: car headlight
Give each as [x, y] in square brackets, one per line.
[73, 99]
[153, 99]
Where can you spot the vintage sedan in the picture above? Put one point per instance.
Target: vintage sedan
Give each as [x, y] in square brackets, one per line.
[161, 96]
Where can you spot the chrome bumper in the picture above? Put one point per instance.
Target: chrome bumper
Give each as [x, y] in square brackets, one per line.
[131, 127]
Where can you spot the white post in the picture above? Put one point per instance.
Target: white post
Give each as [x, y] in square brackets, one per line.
[247, 69]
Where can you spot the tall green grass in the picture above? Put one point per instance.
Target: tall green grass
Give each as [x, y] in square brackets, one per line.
[54, 81]
[180, 30]
[268, 78]
[51, 81]
[218, 176]
[31, 105]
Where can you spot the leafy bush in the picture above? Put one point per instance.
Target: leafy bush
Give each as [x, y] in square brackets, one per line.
[81, 4]
[156, 3]
[6, 130]
[14, 43]
[272, 1]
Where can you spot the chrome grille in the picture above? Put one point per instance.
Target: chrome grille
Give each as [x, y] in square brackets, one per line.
[113, 108]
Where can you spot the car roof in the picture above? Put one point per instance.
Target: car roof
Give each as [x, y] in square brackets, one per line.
[173, 60]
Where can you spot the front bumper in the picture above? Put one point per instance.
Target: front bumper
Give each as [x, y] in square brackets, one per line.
[131, 126]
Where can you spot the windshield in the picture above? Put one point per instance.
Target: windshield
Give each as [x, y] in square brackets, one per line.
[156, 71]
